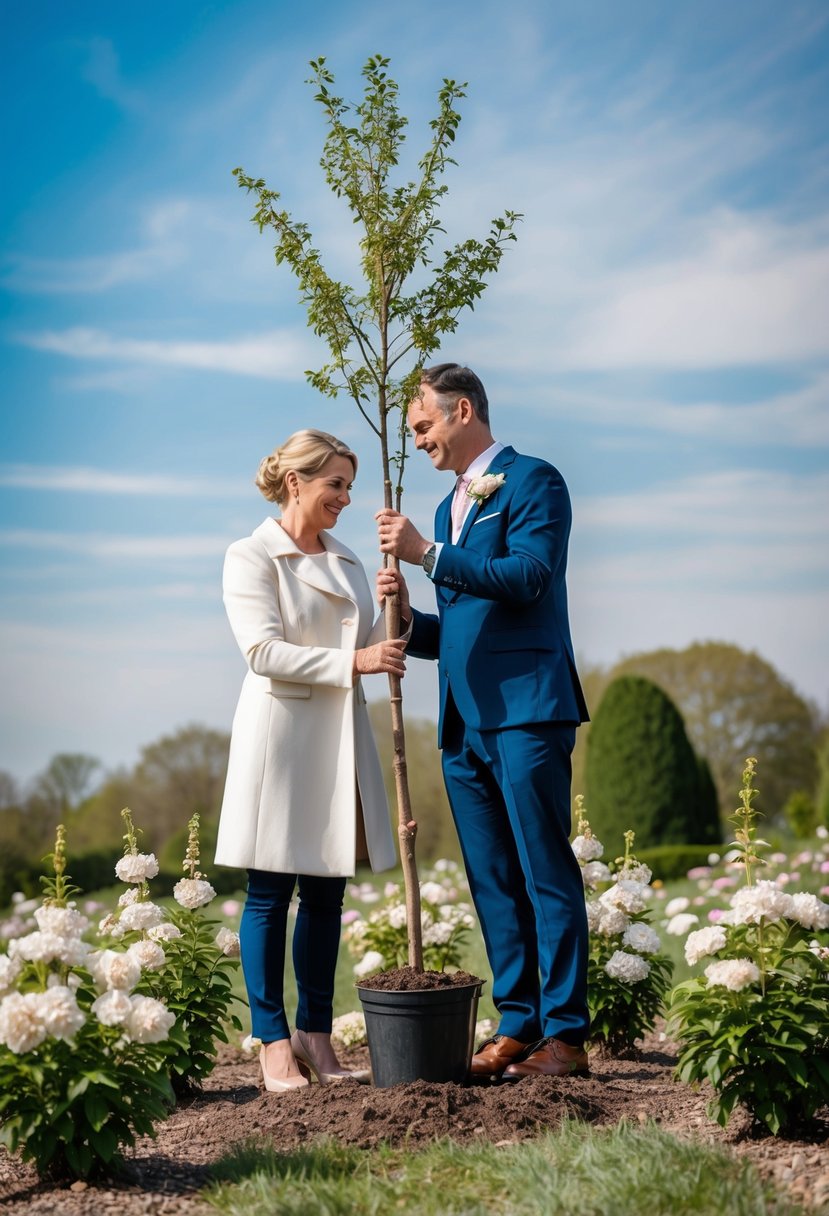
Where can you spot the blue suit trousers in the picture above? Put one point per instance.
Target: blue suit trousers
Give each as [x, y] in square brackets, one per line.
[509, 791]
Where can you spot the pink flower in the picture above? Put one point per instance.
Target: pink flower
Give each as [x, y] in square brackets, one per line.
[350, 916]
[699, 872]
[720, 884]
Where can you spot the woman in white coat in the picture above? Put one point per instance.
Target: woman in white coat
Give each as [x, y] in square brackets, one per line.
[304, 798]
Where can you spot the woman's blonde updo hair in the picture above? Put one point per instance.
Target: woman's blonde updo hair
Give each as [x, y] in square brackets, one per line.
[305, 453]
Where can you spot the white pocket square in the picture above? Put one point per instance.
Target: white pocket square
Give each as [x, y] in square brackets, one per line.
[484, 518]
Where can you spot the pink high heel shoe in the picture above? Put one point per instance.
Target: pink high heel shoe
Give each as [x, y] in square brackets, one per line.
[304, 1054]
[279, 1085]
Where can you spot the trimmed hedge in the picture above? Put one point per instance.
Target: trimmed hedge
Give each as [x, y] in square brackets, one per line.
[671, 861]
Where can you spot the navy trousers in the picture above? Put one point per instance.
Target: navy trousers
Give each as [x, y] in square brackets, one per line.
[509, 791]
[316, 941]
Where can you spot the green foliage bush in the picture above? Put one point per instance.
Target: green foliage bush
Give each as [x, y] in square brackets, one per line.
[642, 772]
[800, 814]
[672, 861]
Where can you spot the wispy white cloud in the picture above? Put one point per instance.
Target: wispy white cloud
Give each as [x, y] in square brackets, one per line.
[278, 355]
[90, 275]
[74, 479]
[767, 505]
[751, 293]
[795, 418]
[101, 67]
[118, 548]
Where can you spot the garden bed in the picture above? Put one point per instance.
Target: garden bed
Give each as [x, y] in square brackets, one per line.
[163, 1176]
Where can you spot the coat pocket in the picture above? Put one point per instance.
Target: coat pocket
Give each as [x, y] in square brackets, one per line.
[286, 688]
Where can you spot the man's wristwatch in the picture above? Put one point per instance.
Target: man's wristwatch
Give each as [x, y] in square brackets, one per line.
[428, 559]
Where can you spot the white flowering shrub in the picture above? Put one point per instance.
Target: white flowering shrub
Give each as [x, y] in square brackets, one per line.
[349, 1030]
[756, 1022]
[380, 941]
[628, 977]
[83, 1057]
[187, 960]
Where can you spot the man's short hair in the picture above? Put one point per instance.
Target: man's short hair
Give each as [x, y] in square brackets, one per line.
[450, 382]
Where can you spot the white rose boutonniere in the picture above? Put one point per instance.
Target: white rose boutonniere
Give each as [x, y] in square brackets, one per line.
[480, 488]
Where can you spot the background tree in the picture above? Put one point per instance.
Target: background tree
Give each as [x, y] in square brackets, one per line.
[9, 790]
[177, 776]
[822, 790]
[379, 337]
[734, 705]
[708, 801]
[66, 782]
[800, 814]
[642, 772]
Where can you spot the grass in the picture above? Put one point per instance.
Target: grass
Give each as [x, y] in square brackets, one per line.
[619, 1171]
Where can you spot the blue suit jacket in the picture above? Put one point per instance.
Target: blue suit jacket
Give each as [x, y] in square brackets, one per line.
[501, 635]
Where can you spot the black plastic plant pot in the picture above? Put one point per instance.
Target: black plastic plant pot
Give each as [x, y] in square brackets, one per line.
[421, 1035]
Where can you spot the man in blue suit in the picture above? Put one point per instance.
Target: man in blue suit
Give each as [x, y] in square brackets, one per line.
[510, 702]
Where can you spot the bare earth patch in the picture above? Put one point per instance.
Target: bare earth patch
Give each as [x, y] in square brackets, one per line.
[163, 1176]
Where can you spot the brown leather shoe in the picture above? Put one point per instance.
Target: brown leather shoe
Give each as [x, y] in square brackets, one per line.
[493, 1056]
[550, 1058]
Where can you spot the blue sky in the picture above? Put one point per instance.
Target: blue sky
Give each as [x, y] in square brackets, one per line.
[660, 331]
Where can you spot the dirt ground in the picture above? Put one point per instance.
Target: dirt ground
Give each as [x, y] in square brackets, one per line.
[163, 1176]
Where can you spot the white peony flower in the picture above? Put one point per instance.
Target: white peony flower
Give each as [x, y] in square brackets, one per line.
[372, 960]
[108, 926]
[628, 968]
[594, 913]
[228, 942]
[150, 1021]
[612, 921]
[732, 973]
[587, 848]
[809, 911]
[165, 932]
[114, 969]
[674, 906]
[44, 947]
[148, 954]
[21, 1026]
[10, 969]
[593, 873]
[642, 938]
[141, 916]
[704, 941]
[59, 1012]
[679, 924]
[432, 892]
[397, 916]
[636, 871]
[64, 922]
[112, 1007]
[763, 901]
[625, 894]
[130, 896]
[136, 867]
[193, 892]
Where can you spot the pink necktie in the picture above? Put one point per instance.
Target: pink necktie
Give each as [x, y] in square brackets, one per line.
[459, 504]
